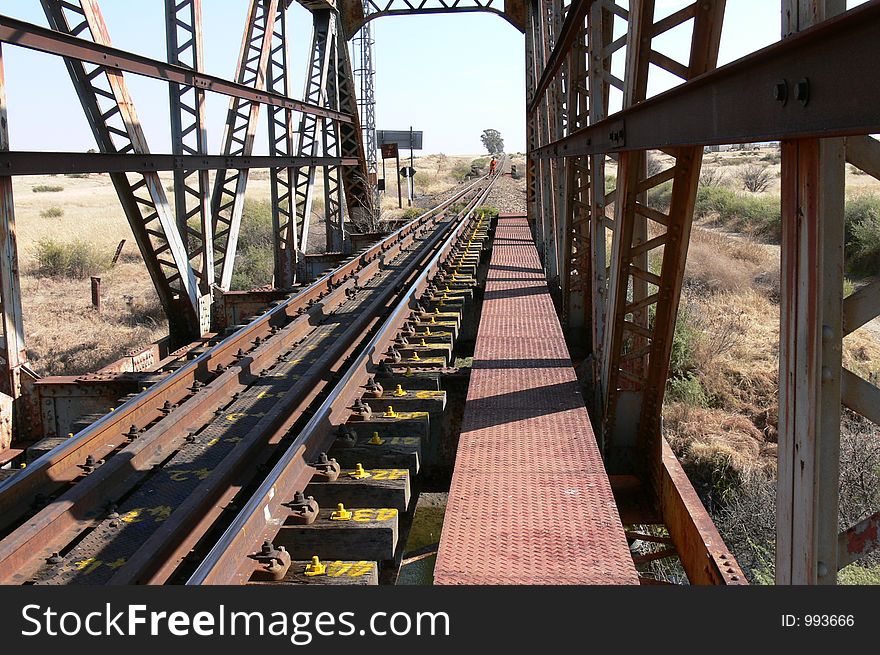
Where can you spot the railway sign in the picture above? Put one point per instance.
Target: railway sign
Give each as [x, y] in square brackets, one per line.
[402, 138]
[389, 150]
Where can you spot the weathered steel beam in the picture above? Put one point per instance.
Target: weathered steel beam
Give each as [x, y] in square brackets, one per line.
[569, 33]
[238, 136]
[808, 64]
[859, 540]
[192, 190]
[13, 351]
[810, 336]
[118, 130]
[702, 551]
[59, 163]
[35, 37]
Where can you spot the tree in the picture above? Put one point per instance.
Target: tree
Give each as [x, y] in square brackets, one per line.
[492, 141]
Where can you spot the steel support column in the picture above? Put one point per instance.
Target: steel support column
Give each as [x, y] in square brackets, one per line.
[111, 114]
[238, 136]
[281, 143]
[637, 350]
[192, 191]
[13, 351]
[810, 342]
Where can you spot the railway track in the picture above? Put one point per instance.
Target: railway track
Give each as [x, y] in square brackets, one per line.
[198, 476]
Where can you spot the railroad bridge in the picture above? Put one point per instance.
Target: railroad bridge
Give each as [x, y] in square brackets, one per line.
[277, 436]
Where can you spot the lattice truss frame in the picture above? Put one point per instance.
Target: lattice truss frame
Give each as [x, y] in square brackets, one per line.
[624, 310]
[189, 246]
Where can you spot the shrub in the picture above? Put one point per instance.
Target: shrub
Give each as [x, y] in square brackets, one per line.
[759, 215]
[710, 177]
[610, 183]
[412, 213]
[76, 259]
[52, 212]
[255, 260]
[862, 220]
[687, 390]
[487, 211]
[774, 157]
[77, 175]
[755, 178]
[660, 196]
[47, 188]
[461, 171]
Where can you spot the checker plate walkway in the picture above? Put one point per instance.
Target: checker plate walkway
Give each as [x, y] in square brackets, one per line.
[530, 502]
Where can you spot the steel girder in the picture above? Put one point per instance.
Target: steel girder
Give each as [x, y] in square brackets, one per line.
[13, 352]
[637, 347]
[281, 143]
[365, 73]
[111, 114]
[238, 135]
[357, 13]
[810, 342]
[329, 83]
[192, 191]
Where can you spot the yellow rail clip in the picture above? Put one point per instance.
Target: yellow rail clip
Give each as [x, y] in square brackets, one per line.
[359, 473]
[340, 514]
[315, 567]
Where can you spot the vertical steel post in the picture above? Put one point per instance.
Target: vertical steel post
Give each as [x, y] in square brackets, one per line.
[118, 129]
[13, 352]
[238, 136]
[192, 189]
[810, 342]
[281, 133]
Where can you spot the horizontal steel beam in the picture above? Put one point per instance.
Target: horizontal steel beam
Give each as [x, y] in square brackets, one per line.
[821, 83]
[53, 163]
[573, 25]
[28, 35]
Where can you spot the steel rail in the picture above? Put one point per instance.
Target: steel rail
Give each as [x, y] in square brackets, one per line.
[161, 554]
[227, 562]
[61, 465]
[24, 551]
[43, 39]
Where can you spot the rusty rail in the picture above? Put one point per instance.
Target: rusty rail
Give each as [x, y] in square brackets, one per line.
[106, 436]
[228, 561]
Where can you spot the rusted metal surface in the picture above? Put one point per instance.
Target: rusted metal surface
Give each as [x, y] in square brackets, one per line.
[13, 352]
[35, 37]
[810, 336]
[530, 502]
[103, 438]
[858, 540]
[264, 514]
[703, 554]
[716, 115]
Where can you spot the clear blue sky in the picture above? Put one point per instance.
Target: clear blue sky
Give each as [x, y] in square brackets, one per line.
[449, 75]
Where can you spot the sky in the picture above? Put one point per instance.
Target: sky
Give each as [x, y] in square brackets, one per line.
[451, 76]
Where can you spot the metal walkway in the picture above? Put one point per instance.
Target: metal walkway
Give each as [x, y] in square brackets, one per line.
[530, 502]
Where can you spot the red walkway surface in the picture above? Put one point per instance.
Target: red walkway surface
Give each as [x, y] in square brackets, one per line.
[530, 502]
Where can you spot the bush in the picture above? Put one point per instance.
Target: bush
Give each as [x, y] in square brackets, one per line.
[862, 220]
[77, 175]
[76, 259]
[255, 259]
[712, 177]
[52, 212]
[412, 213]
[755, 178]
[687, 390]
[758, 215]
[487, 211]
[774, 157]
[47, 188]
[660, 196]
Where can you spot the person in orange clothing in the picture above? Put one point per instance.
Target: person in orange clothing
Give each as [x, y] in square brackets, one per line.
[492, 165]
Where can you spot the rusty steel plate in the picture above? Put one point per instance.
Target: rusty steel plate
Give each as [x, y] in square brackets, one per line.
[530, 502]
